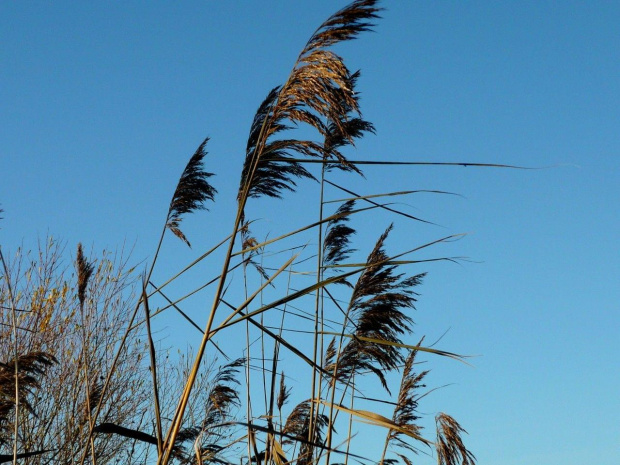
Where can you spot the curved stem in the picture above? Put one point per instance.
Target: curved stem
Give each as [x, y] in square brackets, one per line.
[318, 308]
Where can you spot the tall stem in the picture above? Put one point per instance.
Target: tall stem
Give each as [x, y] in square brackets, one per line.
[147, 312]
[87, 385]
[350, 431]
[180, 411]
[317, 309]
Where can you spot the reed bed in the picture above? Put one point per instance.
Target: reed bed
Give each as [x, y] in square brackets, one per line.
[319, 321]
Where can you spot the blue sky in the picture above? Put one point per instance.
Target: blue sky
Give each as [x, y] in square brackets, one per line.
[104, 102]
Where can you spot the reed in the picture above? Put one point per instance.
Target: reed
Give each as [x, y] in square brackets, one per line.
[315, 337]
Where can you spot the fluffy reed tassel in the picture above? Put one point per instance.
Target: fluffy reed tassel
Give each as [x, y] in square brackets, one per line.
[192, 191]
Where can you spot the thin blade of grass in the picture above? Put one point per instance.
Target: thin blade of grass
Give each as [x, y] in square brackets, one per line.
[410, 163]
[374, 419]
[145, 302]
[391, 194]
[400, 262]
[415, 249]
[392, 210]
[430, 350]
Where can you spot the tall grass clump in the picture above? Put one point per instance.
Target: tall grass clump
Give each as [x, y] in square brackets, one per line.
[307, 337]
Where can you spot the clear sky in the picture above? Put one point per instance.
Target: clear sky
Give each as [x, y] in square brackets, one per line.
[102, 103]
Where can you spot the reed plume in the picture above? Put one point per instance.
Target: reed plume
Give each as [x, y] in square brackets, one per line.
[283, 394]
[406, 412]
[344, 131]
[449, 444]
[31, 368]
[192, 191]
[320, 93]
[376, 305]
[336, 246]
[95, 394]
[223, 394]
[85, 270]
[297, 427]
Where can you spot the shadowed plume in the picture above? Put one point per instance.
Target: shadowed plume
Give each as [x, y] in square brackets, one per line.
[31, 367]
[192, 191]
[223, 394]
[85, 270]
[95, 394]
[336, 246]
[375, 309]
[298, 426]
[249, 242]
[283, 394]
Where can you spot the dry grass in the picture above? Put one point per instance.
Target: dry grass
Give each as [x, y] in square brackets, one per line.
[336, 324]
